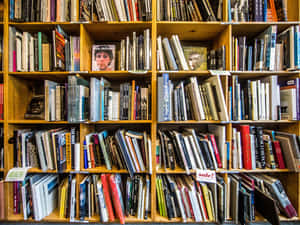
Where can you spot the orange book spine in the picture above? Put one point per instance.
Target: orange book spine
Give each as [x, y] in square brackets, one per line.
[104, 178]
[116, 199]
[92, 155]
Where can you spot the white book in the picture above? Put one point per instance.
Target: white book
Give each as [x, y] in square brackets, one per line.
[73, 200]
[41, 152]
[51, 194]
[254, 101]
[259, 99]
[131, 154]
[149, 155]
[179, 52]
[239, 150]
[138, 154]
[52, 105]
[110, 105]
[274, 96]
[195, 152]
[234, 149]
[58, 103]
[239, 111]
[212, 153]
[195, 205]
[122, 55]
[199, 105]
[288, 104]
[31, 53]
[74, 10]
[88, 142]
[133, 11]
[24, 205]
[267, 100]
[116, 105]
[147, 49]
[119, 10]
[186, 204]
[123, 11]
[47, 144]
[140, 194]
[263, 101]
[105, 10]
[253, 149]
[102, 204]
[161, 56]
[133, 52]
[19, 51]
[25, 51]
[77, 157]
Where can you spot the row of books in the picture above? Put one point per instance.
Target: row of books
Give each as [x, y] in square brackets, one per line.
[41, 51]
[268, 51]
[258, 10]
[114, 196]
[191, 10]
[264, 99]
[255, 147]
[171, 55]
[39, 195]
[129, 150]
[233, 200]
[115, 10]
[134, 54]
[191, 149]
[55, 149]
[186, 100]
[78, 100]
[43, 10]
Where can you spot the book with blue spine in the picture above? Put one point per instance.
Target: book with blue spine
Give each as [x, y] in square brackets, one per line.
[166, 97]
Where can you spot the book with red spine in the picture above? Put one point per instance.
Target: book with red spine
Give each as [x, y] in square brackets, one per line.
[92, 155]
[116, 198]
[246, 146]
[186, 191]
[130, 10]
[202, 201]
[137, 11]
[278, 155]
[106, 192]
[216, 150]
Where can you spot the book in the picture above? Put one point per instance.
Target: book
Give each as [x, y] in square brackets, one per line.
[103, 57]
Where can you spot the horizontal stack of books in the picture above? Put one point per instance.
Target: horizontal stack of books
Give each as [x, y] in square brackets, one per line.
[39, 51]
[55, 149]
[190, 101]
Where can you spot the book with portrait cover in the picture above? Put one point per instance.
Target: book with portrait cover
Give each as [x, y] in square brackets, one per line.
[103, 57]
[196, 57]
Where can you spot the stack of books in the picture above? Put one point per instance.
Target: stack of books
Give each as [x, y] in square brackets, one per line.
[113, 197]
[255, 147]
[258, 10]
[191, 149]
[55, 149]
[190, 101]
[264, 99]
[30, 52]
[191, 10]
[43, 10]
[171, 55]
[115, 10]
[268, 51]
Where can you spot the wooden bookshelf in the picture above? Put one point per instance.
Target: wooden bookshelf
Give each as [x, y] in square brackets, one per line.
[17, 95]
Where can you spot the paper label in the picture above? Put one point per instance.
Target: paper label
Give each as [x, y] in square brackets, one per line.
[208, 176]
[16, 174]
[220, 72]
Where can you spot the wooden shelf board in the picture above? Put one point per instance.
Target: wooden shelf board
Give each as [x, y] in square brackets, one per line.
[268, 170]
[260, 218]
[73, 28]
[37, 170]
[120, 122]
[103, 169]
[194, 122]
[129, 219]
[182, 171]
[161, 219]
[36, 122]
[53, 217]
[264, 73]
[263, 121]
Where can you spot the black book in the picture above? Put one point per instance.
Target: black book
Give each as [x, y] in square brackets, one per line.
[73, 142]
[260, 149]
[163, 148]
[136, 181]
[176, 150]
[38, 10]
[170, 150]
[168, 199]
[206, 154]
[186, 155]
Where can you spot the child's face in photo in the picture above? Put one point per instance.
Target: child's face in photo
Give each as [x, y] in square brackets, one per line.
[103, 60]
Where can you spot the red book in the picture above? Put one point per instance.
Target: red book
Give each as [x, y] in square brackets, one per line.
[92, 155]
[278, 155]
[130, 10]
[106, 189]
[186, 191]
[116, 198]
[217, 154]
[202, 200]
[246, 146]
[137, 10]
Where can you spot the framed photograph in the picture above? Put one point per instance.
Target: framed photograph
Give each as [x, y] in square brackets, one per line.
[103, 58]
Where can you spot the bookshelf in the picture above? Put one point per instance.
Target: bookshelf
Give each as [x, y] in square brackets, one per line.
[17, 93]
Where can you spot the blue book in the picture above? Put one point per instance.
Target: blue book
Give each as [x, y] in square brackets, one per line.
[166, 97]
[297, 46]
[126, 10]
[12, 10]
[229, 11]
[85, 156]
[250, 56]
[265, 10]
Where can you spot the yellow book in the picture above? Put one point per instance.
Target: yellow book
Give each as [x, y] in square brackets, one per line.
[158, 197]
[62, 200]
[164, 207]
[207, 201]
[68, 151]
